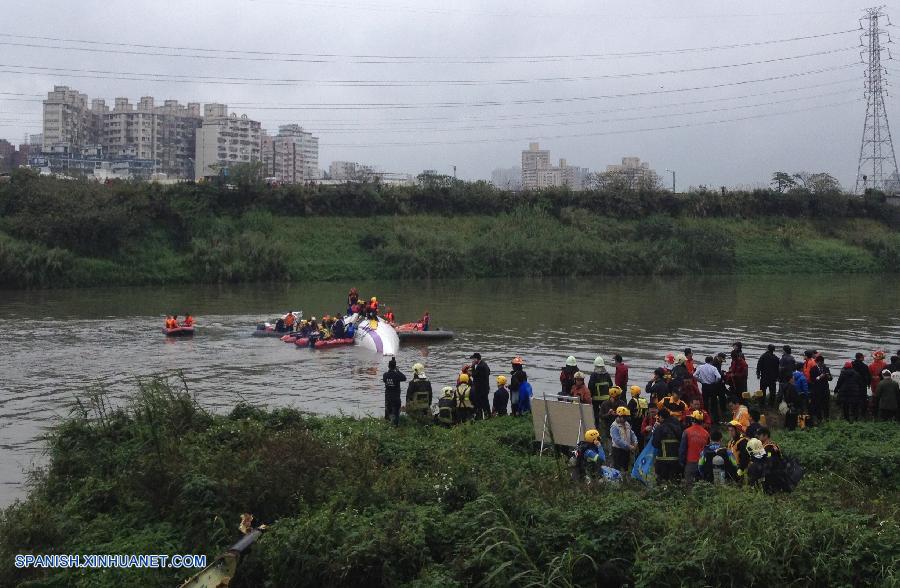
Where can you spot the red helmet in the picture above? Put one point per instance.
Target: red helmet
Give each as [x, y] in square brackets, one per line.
[670, 358]
[848, 365]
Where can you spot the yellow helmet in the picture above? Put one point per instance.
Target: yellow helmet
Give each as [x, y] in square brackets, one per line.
[615, 391]
[501, 380]
[697, 415]
[635, 390]
[591, 435]
[622, 411]
[737, 425]
[463, 378]
[745, 395]
[373, 299]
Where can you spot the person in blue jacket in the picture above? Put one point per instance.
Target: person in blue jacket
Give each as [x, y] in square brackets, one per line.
[802, 386]
[525, 394]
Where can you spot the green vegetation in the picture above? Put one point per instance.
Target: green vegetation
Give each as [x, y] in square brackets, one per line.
[357, 502]
[79, 233]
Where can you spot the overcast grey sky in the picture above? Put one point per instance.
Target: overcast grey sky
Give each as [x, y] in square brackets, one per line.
[473, 101]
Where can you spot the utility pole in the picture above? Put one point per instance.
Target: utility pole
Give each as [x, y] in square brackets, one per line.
[672, 171]
[877, 161]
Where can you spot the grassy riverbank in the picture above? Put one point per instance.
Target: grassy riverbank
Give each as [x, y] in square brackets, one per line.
[356, 502]
[57, 233]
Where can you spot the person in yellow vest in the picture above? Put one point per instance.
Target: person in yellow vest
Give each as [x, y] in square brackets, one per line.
[737, 448]
[464, 406]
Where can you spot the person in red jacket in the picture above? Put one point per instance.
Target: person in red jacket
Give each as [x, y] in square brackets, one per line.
[693, 440]
[875, 369]
[697, 406]
[621, 377]
[648, 424]
[737, 376]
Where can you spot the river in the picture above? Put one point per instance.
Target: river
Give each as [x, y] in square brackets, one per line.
[55, 344]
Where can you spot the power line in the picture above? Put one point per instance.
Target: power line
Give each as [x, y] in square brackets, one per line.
[593, 134]
[234, 80]
[256, 55]
[541, 115]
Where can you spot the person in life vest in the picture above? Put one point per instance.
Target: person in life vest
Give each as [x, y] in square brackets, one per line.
[567, 376]
[599, 384]
[667, 441]
[352, 300]
[588, 457]
[716, 464]
[419, 395]
[673, 403]
[372, 308]
[171, 323]
[623, 439]
[501, 397]
[188, 321]
[464, 405]
[739, 413]
[446, 414]
[389, 315]
[737, 446]
[637, 406]
[516, 377]
[694, 439]
[426, 321]
[580, 389]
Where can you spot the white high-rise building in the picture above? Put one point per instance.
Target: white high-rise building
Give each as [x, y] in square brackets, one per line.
[534, 160]
[225, 140]
[351, 171]
[292, 156]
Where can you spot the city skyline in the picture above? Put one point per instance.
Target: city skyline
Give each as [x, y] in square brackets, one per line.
[775, 88]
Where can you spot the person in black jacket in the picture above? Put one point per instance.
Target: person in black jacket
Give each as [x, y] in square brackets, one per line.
[516, 377]
[481, 387]
[667, 441]
[791, 397]
[865, 376]
[851, 391]
[392, 379]
[767, 372]
[786, 366]
[819, 390]
[419, 395]
[657, 388]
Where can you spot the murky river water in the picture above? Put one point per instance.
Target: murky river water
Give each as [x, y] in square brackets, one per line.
[55, 344]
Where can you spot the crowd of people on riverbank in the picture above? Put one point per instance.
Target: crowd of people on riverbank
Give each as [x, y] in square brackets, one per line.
[677, 414]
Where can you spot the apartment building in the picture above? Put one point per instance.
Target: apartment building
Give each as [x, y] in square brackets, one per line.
[351, 171]
[68, 119]
[224, 140]
[534, 160]
[292, 156]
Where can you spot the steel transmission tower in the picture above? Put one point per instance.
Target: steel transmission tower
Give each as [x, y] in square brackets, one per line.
[877, 162]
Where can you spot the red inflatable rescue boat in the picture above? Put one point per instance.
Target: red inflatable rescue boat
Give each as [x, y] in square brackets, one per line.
[304, 342]
[179, 332]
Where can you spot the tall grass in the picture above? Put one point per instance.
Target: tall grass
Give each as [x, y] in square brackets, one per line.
[360, 502]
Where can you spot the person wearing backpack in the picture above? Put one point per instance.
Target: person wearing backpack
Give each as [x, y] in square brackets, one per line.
[709, 468]
[588, 457]
[776, 476]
